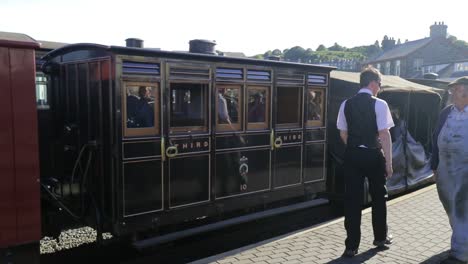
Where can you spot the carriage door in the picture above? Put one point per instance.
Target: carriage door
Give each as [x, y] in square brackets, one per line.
[288, 129]
[187, 147]
[242, 132]
[142, 175]
[315, 109]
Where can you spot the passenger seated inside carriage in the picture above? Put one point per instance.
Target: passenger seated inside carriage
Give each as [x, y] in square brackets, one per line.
[140, 109]
[314, 106]
[256, 108]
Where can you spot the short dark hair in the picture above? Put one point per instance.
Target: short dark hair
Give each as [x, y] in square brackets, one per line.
[142, 91]
[369, 74]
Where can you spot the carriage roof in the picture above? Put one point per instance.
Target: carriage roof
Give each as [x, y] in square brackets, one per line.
[118, 50]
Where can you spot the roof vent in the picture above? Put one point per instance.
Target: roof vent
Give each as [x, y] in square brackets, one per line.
[202, 46]
[274, 58]
[134, 43]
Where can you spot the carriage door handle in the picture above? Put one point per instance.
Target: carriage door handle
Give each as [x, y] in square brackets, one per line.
[163, 149]
[278, 142]
[172, 151]
[272, 140]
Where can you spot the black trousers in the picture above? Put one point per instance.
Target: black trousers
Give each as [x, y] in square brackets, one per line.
[360, 163]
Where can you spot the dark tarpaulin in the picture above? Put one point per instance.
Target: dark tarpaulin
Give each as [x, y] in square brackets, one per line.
[414, 108]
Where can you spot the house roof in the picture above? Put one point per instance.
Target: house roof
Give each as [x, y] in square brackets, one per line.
[389, 83]
[402, 50]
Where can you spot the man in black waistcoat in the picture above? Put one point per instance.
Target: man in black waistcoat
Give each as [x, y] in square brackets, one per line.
[364, 122]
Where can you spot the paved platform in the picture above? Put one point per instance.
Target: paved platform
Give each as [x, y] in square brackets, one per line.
[417, 221]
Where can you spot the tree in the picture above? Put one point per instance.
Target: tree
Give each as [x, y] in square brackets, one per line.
[376, 43]
[276, 52]
[457, 42]
[336, 47]
[321, 47]
[296, 53]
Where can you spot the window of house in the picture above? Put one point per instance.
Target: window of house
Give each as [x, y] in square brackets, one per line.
[379, 67]
[417, 64]
[258, 107]
[141, 109]
[462, 66]
[315, 107]
[397, 67]
[188, 107]
[387, 68]
[228, 107]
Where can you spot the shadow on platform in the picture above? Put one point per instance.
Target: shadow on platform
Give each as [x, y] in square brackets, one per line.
[359, 258]
[437, 258]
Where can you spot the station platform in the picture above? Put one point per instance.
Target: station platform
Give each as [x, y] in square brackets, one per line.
[417, 221]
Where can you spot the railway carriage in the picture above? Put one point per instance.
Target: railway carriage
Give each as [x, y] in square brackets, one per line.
[19, 163]
[144, 139]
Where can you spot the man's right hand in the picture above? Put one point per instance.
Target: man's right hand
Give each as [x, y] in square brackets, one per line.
[388, 171]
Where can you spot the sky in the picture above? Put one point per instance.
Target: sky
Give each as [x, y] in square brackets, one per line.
[248, 26]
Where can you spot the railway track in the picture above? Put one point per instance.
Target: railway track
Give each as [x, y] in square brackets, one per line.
[183, 250]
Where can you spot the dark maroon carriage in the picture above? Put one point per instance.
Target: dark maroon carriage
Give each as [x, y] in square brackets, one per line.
[147, 140]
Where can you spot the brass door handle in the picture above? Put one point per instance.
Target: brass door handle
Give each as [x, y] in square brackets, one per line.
[272, 140]
[278, 142]
[172, 151]
[163, 149]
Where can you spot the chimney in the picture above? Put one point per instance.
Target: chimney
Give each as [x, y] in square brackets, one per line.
[388, 43]
[438, 30]
[134, 43]
[202, 46]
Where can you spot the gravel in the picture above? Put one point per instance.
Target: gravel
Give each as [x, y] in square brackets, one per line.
[70, 239]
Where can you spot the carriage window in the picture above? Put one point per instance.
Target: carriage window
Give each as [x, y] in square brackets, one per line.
[315, 107]
[289, 106]
[41, 91]
[228, 106]
[141, 109]
[189, 107]
[257, 107]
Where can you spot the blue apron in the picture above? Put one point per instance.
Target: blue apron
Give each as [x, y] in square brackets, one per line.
[452, 179]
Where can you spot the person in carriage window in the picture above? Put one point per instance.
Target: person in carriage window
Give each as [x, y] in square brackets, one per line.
[223, 113]
[314, 106]
[140, 110]
[257, 108]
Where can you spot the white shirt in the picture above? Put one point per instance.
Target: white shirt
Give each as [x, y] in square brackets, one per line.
[222, 109]
[382, 114]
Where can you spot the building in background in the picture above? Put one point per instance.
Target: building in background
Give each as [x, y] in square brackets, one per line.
[437, 54]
